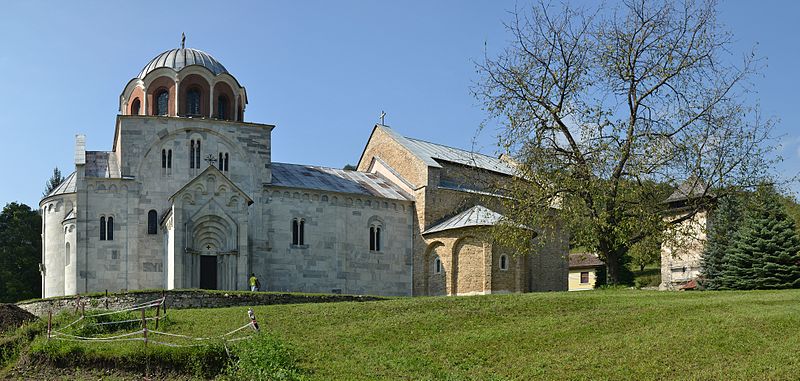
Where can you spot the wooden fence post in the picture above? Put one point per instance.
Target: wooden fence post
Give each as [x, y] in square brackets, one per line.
[144, 327]
[158, 313]
[49, 323]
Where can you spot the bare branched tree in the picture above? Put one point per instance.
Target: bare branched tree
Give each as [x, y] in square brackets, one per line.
[606, 110]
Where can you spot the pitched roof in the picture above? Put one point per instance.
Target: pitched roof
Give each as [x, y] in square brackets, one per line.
[335, 180]
[429, 153]
[691, 188]
[582, 260]
[212, 168]
[66, 186]
[477, 215]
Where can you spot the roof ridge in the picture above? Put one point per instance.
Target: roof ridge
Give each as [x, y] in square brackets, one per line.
[451, 147]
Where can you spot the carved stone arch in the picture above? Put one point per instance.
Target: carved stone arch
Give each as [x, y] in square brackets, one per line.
[112, 188]
[216, 228]
[434, 284]
[222, 189]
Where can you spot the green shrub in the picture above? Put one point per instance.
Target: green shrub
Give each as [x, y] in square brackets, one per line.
[264, 357]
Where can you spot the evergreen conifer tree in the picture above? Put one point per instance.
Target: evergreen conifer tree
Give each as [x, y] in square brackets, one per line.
[723, 225]
[766, 251]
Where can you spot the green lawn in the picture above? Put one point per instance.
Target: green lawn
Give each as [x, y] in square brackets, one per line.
[582, 335]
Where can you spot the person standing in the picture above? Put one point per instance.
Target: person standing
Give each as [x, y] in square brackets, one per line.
[255, 285]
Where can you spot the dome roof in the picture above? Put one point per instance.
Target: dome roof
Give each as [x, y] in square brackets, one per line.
[177, 59]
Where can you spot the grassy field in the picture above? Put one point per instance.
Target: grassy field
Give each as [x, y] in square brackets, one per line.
[606, 334]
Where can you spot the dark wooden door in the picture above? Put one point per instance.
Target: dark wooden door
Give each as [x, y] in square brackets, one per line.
[208, 272]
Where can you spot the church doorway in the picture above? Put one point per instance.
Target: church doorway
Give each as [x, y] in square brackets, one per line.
[208, 272]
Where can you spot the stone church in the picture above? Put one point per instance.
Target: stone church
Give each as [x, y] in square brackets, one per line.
[188, 197]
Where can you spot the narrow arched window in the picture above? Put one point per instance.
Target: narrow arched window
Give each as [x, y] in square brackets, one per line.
[193, 102]
[163, 158]
[372, 238]
[197, 154]
[102, 228]
[222, 107]
[503, 262]
[226, 162]
[220, 164]
[110, 229]
[66, 254]
[152, 222]
[437, 266]
[162, 103]
[191, 154]
[295, 232]
[302, 232]
[375, 237]
[169, 158]
[135, 106]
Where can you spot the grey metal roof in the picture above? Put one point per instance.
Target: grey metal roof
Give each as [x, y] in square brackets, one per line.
[70, 215]
[477, 215]
[101, 164]
[335, 180]
[66, 186]
[431, 152]
[691, 188]
[177, 59]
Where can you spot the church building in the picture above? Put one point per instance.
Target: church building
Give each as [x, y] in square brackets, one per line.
[189, 197]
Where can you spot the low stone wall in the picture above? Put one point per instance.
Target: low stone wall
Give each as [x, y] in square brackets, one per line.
[185, 299]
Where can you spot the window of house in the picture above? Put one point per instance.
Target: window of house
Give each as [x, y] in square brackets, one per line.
[162, 103]
[222, 107]
[226, 162]
[220, 163]
[66, 254]
[110, 229]
[102, 228]
[169, 158]
[191, 154]
[437, 266]
[503, 262]
[135, 106]
[584, 277]
[193, 102]
[163, 158]
[152, 222]
[298, 232]
[223, 161]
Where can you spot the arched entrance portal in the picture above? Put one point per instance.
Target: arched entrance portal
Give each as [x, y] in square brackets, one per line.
[215, 237]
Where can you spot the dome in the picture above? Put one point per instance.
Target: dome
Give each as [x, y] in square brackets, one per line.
[177, 59]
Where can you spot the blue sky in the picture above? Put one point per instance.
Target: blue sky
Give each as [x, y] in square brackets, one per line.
[321, 71]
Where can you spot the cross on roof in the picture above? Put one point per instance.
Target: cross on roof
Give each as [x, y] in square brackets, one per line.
[383, 116]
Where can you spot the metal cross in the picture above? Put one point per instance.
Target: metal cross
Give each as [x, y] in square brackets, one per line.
[183, 40]
[383, 116]
[211, 160]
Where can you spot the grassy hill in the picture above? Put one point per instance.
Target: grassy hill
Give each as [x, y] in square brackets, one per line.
[587, 335]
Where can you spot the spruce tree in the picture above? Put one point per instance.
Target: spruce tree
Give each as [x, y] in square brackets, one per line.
[723, 224]
[766, 251]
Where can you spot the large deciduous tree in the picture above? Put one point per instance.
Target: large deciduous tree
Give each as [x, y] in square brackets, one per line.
[20, 253]
[602, 107]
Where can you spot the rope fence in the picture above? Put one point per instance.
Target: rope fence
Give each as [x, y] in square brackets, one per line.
[143, 333]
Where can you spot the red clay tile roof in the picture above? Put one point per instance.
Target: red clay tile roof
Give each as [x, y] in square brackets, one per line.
[579, 260]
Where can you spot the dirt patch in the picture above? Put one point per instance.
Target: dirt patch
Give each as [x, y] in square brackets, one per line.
[12, 317]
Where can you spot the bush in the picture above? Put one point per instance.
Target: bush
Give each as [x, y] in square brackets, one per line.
[264, 358]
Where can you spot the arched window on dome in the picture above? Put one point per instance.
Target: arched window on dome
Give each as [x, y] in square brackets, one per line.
[135, 106]
[162, 103]
[193, 102]
[222, 107]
